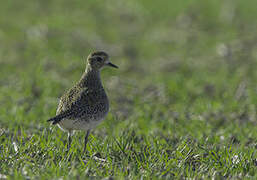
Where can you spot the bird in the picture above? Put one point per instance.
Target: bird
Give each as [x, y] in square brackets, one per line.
[86, 104]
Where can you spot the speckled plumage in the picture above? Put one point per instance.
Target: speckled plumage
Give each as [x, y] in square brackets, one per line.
[86, 104]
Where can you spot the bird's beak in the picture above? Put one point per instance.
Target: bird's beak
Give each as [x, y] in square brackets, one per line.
[112, 65]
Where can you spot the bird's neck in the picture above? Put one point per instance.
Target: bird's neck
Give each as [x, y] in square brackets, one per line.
[91, 78]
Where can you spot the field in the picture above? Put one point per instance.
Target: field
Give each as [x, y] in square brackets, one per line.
[183, 101]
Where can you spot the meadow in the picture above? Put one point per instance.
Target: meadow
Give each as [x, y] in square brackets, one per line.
[183, 101]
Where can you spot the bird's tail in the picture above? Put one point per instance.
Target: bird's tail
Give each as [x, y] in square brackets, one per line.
[58, 118]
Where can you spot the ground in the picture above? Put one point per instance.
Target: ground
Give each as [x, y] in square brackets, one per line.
[183, 102]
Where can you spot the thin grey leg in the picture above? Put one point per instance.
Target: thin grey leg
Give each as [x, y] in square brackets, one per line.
[69, 141]
[86, 139]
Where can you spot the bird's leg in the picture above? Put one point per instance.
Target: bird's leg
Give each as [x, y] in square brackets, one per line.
[86, 139]
[69, 141]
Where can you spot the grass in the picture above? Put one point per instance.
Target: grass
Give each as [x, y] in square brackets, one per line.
[183, 103]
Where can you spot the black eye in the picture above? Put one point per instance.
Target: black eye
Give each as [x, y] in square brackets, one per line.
[99, 59]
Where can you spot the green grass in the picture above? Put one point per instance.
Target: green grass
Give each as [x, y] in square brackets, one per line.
[183, 102]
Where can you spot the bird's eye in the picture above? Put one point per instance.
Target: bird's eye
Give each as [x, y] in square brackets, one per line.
[99, 59]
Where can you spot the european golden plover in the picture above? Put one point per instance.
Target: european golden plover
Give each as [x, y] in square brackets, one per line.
[86, 104]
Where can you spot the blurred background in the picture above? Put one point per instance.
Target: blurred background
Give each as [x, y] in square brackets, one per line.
[183, 101]
[186, 67]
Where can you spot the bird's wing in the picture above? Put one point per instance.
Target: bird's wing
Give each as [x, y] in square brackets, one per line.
[73, 103]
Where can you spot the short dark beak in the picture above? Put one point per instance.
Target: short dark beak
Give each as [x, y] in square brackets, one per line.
[112, 65]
